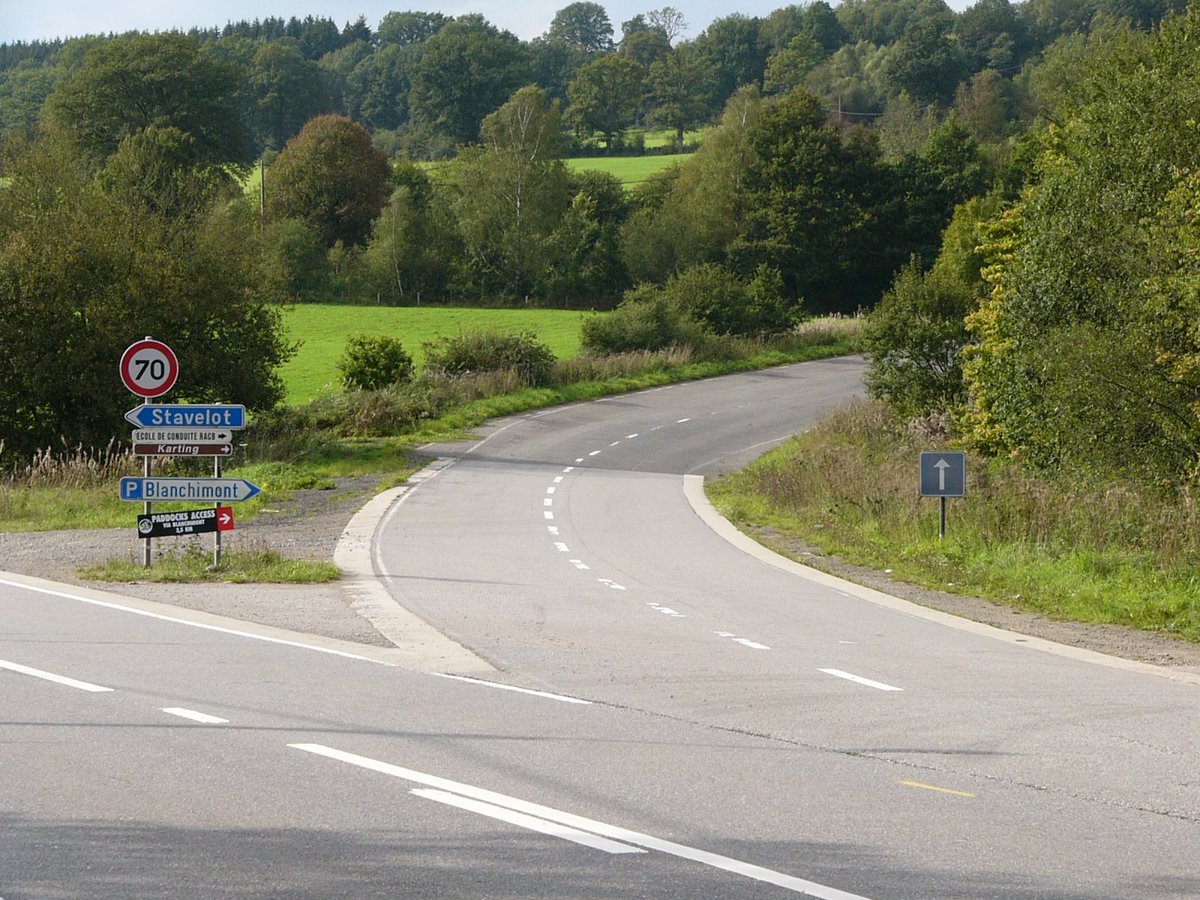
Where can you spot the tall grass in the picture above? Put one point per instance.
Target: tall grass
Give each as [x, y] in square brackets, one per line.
[1068, 547]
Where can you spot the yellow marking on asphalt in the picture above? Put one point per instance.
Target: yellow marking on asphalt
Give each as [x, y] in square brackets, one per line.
[934, 787]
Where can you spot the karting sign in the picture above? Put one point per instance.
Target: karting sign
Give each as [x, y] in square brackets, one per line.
[193, 521]
[149, 368]
[182, 449]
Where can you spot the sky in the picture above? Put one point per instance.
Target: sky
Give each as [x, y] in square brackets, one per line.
[30, 20]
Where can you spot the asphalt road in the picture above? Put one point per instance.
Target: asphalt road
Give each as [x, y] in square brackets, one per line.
[668, 715]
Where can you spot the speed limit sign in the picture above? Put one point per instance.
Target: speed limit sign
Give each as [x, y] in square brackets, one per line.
[149, 368]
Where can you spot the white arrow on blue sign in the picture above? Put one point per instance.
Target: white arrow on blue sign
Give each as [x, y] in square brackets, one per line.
[943, 474]
[187, 490]
[188, 415]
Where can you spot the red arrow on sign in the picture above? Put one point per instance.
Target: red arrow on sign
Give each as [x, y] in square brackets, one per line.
[224, 518]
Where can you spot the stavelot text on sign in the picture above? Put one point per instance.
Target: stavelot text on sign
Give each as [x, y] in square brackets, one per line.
[188, 415]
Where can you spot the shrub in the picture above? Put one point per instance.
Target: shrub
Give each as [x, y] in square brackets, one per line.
[373, 363]
[726, 304]
[645, 320]
[491, 351]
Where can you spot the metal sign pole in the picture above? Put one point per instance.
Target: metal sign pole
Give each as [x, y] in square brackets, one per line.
[147, 551]
[216, 506]
[942, 526]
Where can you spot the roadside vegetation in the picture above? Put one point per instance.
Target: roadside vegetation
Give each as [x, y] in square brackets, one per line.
[189, 563]
[474, 376]
[1015, 252]
[1086, 551]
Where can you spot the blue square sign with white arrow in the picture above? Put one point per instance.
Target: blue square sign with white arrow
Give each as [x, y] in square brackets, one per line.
[943, 474]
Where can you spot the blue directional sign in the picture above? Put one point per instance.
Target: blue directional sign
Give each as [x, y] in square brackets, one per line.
[188, 415]
[187, 490]
[943, 474]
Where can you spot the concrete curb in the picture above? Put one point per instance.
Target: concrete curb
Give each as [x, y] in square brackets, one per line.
[419, 645]
[693, 488]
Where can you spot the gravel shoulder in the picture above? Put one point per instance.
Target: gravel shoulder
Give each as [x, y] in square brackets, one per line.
[309, 525]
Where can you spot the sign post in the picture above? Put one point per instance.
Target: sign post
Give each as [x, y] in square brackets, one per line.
[149, 369]
[943, 475]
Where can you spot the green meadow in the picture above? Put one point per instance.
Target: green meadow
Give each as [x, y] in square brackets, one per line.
[322, 329]
[629, 170]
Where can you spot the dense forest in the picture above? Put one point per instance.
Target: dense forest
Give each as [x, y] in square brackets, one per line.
[1011, 189]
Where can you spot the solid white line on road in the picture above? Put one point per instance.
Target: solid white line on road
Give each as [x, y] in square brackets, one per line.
[715, 860]
[203, 718]
[517, 690]
[858, 679]
[533, 823]
[50, 676]
[189, 623]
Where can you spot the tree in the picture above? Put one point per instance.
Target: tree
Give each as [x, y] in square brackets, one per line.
[1073, 363]
[705, 206]
[467, 70]
[286, 90]
[668, 20]
[606, 95]
[680, 91]
[789, 67]
[645, 46]
[331, 176]
[413, 246]
[381, 83]
[815, 200]
[406, 28]
[914, 339]
[925, 63]
[138, 80]
[584, 27]
[87, 265]
[513, 191]
[730, 48]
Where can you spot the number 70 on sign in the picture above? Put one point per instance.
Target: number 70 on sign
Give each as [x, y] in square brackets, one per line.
[149, 368]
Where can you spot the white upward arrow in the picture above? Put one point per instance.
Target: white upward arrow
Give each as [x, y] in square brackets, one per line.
[941, 465]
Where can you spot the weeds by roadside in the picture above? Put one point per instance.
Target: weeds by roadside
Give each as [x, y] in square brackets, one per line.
[1068, 548]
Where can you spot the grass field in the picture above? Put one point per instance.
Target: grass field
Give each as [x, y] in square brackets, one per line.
[630, 170]
[322, 331]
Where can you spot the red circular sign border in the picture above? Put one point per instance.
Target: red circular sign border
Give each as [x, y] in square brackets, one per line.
[172, 365]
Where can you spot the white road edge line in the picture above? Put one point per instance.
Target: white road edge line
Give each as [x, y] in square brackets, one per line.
[175, 620]
[202, 718]
[543, 826]
[858, 679]
[50, 676]
[519, 690]
[715, 860]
